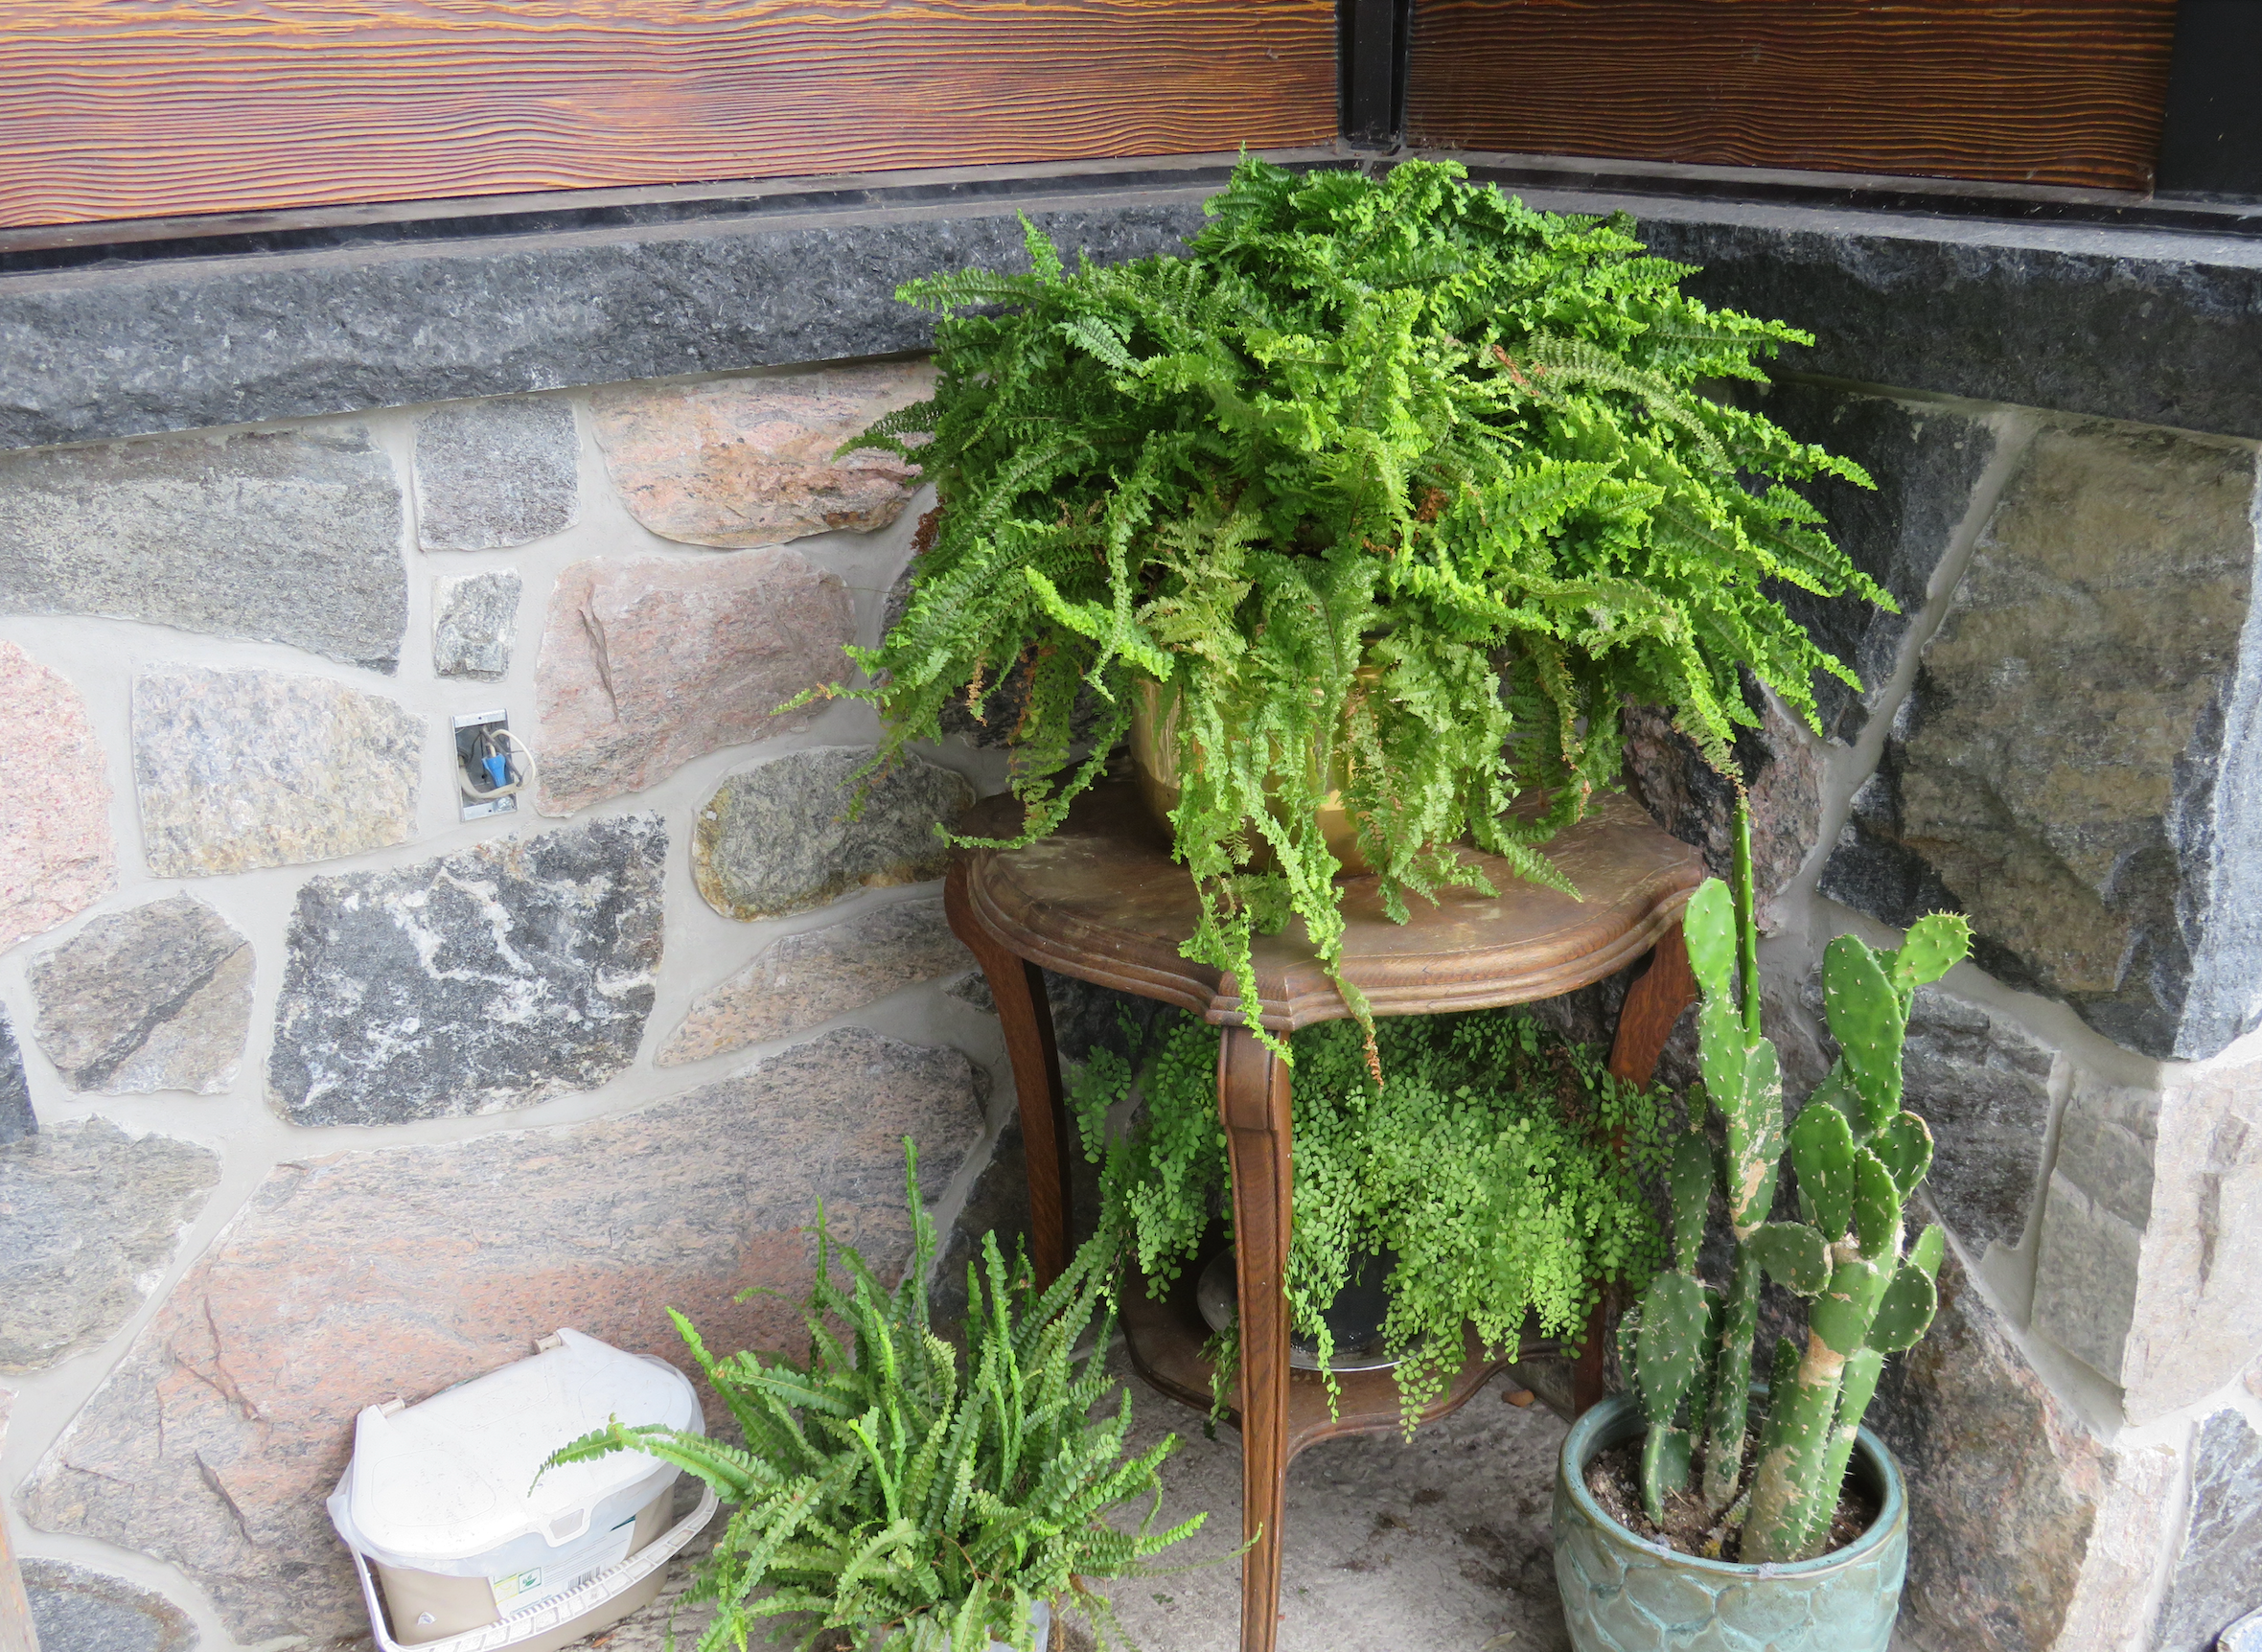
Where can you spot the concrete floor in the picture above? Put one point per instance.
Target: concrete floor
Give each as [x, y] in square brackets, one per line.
[1442, 1545]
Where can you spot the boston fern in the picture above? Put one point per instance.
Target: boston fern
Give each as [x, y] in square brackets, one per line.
[884, 1491]
[1393, 485]
[1500, 1163]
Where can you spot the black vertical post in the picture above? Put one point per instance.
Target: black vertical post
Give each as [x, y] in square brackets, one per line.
[1371, 43]
[2211, 144]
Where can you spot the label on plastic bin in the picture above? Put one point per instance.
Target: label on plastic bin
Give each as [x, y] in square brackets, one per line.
[519, 1591]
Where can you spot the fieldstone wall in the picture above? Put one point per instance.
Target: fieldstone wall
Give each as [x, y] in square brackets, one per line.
[313, 1095]
[2058, 738]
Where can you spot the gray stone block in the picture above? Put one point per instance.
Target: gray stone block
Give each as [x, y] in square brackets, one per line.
[2244, 1636]
[2136, 324]
[293, 537]
[190, 344]
[1086, 1018]
[156, 998]
[2082, 768]
[2218, 1572]
[778, 838]
[733, 461]
[354, 1277]
[474, 625]
[2147, 1268]
[2087, 1276]
[1984, 1086]
[2154, 325]
[492, 978]
[1924, 459]
[75, 1609]
[1782, 771]
[494, 474]
[2007, 1488]
[16, 1119]
[235, 769]
[809, 978]
[974, 988]
[89, 1220]
[57, 855]
[646, 664]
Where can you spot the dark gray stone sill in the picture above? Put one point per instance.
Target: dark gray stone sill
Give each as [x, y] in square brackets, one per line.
[284, 317]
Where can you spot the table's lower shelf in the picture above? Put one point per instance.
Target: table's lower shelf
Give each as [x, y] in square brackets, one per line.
[1166, 1338]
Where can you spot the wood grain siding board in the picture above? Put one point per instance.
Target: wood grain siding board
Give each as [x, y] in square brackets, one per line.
[2066, 92]
[138, 109]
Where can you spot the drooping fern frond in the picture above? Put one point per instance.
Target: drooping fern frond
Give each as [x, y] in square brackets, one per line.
[1398, 488]
[886, 1489]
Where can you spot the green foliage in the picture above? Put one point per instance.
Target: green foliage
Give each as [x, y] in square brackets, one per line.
[1485, 1161]
[883, 1488]
[1858, 1156]
[1394, 480]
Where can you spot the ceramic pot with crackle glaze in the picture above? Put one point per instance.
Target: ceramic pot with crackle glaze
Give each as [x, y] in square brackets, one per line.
[1624, 1594]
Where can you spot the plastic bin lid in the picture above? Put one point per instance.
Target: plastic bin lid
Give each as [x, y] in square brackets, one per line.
[453, 1477]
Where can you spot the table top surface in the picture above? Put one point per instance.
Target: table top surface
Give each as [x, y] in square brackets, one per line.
[1102, 900]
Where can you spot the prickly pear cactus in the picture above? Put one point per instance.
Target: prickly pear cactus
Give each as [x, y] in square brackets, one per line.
[1858, 1156]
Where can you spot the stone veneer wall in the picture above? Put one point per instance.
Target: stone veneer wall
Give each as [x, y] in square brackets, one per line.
[337, 1098]
[313, 1095]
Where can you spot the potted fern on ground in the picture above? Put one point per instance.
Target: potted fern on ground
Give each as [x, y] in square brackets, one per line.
[1682, 1517]
[1498, 1164]
[1370, 513]
[920, 1501]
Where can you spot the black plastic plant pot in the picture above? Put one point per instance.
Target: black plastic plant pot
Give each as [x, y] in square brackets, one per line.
[1624, 1593]
[1356, 1318]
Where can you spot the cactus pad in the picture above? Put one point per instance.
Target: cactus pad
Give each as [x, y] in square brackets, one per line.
[1669, 1343]
[1666, 1455]
[1708, 926]
[1822, 1155]
[1935, 945]
[1690, 1180]
[1720, 1052]
[1869, 1022]
[1877, 1207]
[1755, 1138]
[1628, 1338]
[1906, 1311]
[1794, 1255]
[1929, 1247]
[1841, 1315]
[1905, 1147]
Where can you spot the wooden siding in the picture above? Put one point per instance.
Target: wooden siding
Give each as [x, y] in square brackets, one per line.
[137, 108]
[2068, 92]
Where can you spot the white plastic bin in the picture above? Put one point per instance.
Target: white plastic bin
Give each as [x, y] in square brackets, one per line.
[440, 1502]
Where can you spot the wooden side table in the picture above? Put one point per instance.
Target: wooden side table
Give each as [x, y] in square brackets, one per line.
[1102, 900]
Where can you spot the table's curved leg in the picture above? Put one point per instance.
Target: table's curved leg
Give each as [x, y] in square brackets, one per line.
[1019, 987]
[1653, 1004]
[1253, 1101]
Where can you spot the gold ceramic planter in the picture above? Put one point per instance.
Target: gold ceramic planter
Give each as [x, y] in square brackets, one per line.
[1155, 747]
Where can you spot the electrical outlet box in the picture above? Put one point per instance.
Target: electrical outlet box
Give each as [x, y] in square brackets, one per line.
[478, 736]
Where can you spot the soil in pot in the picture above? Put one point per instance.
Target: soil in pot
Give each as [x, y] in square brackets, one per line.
[1614, 1477]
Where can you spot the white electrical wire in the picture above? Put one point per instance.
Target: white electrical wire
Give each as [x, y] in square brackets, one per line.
[488, 736]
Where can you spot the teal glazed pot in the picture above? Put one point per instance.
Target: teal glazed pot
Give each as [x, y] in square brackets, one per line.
[1624, 1594]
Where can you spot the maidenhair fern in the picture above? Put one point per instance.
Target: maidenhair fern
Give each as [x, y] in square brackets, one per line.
[1501, 1164]
[1397, 484]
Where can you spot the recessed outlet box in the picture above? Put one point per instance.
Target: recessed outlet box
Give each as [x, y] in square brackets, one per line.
[478, 738]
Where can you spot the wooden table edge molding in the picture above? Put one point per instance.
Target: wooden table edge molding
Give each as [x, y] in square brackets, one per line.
[1102, 900]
